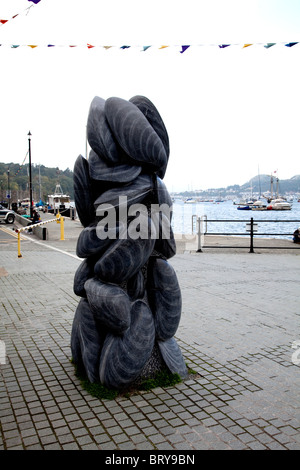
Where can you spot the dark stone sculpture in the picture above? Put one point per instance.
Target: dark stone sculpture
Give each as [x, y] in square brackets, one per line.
[130, 307]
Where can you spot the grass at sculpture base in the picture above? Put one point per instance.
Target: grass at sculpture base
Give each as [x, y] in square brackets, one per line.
[163, 378]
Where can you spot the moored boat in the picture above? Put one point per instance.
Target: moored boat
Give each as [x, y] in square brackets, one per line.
[59, 202]
[259, 206]
[279, 205]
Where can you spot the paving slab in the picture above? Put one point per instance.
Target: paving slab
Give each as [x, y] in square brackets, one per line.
[238, 331]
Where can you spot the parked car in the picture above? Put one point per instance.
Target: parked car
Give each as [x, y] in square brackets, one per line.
[7, 215]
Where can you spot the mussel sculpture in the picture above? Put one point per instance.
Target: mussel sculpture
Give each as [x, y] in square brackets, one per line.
[130, 300]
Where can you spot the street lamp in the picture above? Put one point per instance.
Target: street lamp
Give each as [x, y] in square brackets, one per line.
[30, 178]
[8, 189]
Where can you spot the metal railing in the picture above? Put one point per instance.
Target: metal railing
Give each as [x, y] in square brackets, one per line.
[251, 231]
[58, 219]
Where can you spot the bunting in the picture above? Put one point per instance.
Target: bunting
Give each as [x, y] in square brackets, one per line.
[35, 2]
[182, 49]
[20, 166]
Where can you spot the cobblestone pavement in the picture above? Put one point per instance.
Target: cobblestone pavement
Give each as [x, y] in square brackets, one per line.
[240, 319]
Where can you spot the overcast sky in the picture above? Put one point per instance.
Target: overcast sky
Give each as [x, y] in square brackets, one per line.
[230, 112]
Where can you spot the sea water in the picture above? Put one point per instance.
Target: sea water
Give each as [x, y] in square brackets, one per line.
[231, 221]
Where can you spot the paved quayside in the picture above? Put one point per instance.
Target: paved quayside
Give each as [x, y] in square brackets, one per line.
[238, 331]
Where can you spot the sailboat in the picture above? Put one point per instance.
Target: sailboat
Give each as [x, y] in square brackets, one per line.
[278, 203]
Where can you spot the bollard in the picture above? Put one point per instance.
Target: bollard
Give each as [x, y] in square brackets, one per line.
[62, 228]
[19, 245]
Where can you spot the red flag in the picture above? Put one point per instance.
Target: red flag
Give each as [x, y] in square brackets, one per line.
[3, 21]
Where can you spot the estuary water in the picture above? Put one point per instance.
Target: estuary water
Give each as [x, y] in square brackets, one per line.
[229, 220]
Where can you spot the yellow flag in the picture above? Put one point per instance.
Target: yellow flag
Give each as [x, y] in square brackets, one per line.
[32, 46]
[163, 47]
[247, 45]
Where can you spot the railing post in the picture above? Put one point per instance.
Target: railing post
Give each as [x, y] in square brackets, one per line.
[199, 250]
[251, 236]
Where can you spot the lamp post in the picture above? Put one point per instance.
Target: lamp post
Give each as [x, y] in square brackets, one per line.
[30, 178]
[8, 189]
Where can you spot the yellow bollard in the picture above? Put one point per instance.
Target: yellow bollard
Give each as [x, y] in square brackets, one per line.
[19, 245]
[62, 228]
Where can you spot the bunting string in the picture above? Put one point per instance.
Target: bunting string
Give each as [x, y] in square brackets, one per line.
[20, 166]
[34, 2]
[182, 48]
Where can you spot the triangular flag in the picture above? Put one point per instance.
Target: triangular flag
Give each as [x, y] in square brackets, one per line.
[247, 45]
[269, 44]
[72, 46]
[107, 47]
[34, 1]
[183, 49]
[163, 47]
[32, 46]
[145, 48]
[291, 44]
[3, 21]
[124, 47]
[222, 46]
[50, 45]
[15, 46]
[89, 46]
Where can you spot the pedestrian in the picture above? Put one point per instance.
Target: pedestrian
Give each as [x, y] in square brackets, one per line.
[296, 236]
[34, 219]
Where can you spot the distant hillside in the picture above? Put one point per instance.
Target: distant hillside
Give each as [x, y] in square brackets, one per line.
[262, 183]
[259, 184]
[44, 180]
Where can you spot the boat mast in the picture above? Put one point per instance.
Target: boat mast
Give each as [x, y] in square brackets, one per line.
[271, 187]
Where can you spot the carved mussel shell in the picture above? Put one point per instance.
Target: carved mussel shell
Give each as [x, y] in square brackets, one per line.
[86, 341]
[172, 356]
[132, 193]
[110, 305]
[165, 243]
[82, 192]
[124, 357]
[134, 133]
[99, 134]
[154, 118]
[84, 272]
[101, 170]
[89, 242]
[163, 196]
[164, 297]
[125, 257]
[136, 286]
